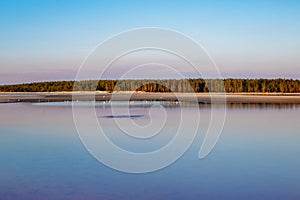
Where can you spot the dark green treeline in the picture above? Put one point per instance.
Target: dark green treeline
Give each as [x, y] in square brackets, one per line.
[168, 85]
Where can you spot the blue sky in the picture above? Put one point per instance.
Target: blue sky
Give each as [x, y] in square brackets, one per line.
[48, 40]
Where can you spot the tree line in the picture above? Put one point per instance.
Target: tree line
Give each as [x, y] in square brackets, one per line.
[167, 85]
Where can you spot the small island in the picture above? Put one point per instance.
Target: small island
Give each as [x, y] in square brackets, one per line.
[236, 90]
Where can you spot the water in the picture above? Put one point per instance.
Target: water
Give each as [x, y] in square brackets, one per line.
[257, 156]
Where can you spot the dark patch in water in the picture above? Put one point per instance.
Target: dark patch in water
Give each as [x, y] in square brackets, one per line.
[121, 116]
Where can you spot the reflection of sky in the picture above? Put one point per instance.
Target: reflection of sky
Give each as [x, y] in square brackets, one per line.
[256, 157]
[246, 38]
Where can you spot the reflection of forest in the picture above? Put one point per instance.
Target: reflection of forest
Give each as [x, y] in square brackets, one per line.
[168, 85]
[263, 105]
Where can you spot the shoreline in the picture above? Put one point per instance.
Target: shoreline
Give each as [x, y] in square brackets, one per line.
[33, 97]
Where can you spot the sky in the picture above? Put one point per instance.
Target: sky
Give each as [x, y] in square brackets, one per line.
[48, 40]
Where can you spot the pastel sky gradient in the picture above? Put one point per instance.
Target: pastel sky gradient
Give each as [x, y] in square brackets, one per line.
[48, 40]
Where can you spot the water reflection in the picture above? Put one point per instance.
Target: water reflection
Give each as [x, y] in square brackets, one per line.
[172, 104]
[121, 116]
[289, 106]
[257, 156]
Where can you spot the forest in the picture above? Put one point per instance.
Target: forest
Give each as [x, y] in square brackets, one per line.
[168, 85]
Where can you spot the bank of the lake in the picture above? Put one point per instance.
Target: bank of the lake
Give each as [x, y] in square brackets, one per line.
[13, 97]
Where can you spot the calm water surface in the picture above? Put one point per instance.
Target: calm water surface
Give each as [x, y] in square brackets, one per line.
[257, 156]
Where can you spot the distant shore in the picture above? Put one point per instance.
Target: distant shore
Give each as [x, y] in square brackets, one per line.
[14, 97]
